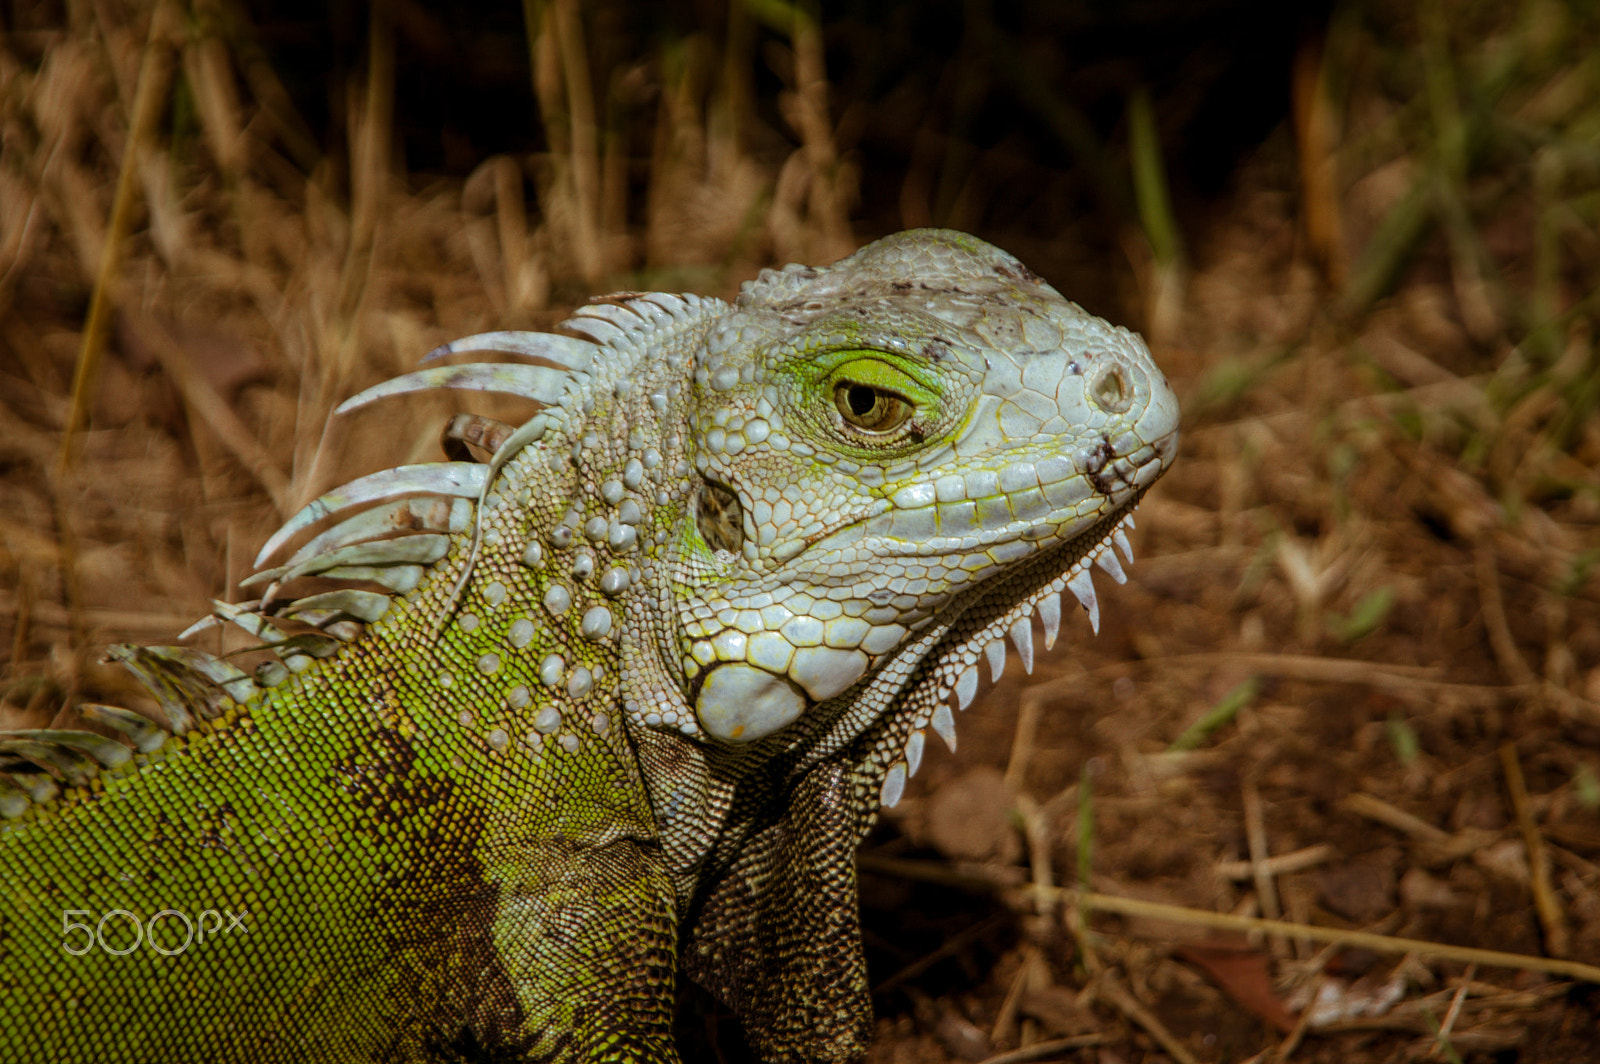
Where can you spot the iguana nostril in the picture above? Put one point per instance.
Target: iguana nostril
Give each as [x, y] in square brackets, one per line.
[1112, 391]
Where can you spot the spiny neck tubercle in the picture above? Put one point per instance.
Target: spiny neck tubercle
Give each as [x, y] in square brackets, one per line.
[564, 533]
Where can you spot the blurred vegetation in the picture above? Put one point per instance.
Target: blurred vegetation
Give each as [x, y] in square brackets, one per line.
[1355, 678]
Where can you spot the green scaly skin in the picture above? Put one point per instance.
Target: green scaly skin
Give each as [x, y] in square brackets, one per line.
[623, 700]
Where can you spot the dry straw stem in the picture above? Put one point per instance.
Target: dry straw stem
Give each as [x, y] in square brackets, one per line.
[564, 90]
[1544, 897]
[1031, 973]
[203, 399]
[1281, 865]
[1400, 679]
[154, 72]
[1047, 1050]
[810, 209]
[1316, 152]
[1109, 903]
[1456, 1002]
[373, 122]
[1011, 884]
[1494, 617]
[1256, 838]
[1110, 989]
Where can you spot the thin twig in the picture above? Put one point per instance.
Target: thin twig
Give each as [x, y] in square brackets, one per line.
[1005, 881]
[1589, 973]
[1113, 991]
[1046, 1050]
[1456, 1001]
[1280, 865]
[1400, 678]
[1544, 897]
[213, 410]
[948, 948]
[1494, 617]
[1292, 1040]
[1255, 830]
[1006, 1017]
[1373, 808]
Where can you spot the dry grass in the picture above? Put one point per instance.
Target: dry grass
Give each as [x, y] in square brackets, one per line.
[1354, 680]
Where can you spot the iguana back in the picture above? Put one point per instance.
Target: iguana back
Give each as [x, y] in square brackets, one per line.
[622, 696]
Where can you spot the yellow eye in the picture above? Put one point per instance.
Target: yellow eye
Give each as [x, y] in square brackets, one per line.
[879, 402]
[870, 409]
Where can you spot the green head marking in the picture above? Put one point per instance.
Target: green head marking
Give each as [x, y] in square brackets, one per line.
[874, 442]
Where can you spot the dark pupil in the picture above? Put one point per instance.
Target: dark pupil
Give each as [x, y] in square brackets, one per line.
[861, 399]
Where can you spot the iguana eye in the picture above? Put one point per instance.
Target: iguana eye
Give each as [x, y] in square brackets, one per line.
[874, 403]
[870, 409]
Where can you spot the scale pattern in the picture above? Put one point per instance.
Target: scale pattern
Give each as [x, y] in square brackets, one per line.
[613, 694]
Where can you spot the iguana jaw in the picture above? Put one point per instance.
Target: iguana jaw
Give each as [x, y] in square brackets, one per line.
[1001, 610]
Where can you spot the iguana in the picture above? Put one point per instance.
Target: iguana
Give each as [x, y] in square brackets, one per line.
[615, 693]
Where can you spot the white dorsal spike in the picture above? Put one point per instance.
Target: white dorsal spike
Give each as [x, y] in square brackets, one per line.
[204, 624]
[251, 622]
[1082, 586]
[1120, 538]
[363, 605]
[400, 579]
[645, 310]
[674, 305]
[914, 751]
[619, 312]
[996, 653]
[597, 329]
[318, 617]
[1107, 560]
[943, 723]
[1050, 617]
[462, 480]
[1022, 636]
[652, 313]
[423, 548]
[894, 785]
[405, 515]
[568, 351]
[238, 685]
[967, 687]
[542, 384]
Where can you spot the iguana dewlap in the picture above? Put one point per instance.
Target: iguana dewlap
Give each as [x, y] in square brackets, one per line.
[539, 731]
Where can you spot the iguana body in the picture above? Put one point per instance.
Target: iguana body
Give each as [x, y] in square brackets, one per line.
[625, 699]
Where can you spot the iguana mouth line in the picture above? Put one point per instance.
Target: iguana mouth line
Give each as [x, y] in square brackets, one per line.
[1097, 545]
[949, 546]
[1128, 475]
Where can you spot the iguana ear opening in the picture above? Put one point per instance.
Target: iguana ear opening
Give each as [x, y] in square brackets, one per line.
[719, 517]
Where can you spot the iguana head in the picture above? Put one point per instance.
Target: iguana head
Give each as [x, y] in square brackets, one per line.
[896, 459]
[809, 514]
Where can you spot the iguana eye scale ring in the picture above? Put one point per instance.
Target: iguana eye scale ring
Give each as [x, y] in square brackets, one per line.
[532, 732]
